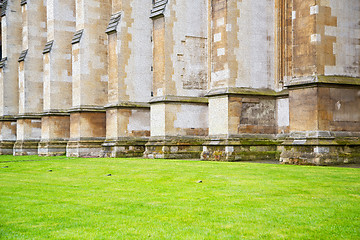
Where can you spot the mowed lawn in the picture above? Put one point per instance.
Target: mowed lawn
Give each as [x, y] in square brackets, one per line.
[162, 199]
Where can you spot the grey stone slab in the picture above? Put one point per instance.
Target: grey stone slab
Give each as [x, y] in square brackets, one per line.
[48, 47]
[3, 8]
[77, 36]
[113, 23]
[3, 62]
[158, 9]
[23, 55]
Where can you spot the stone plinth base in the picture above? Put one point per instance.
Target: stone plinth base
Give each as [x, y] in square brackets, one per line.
[7, 134]
[7, 147]
[84, 148]
[174, 147]
[124, 148]
[52, 148]
[27, 147]
[331, 150]
[240, 149]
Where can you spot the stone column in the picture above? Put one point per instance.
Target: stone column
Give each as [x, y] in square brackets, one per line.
[244, 96]
[89, 78]
[325, 88]
[178, 108]
[130, 79]
[11, 46]
[55, 128]
[31, 77]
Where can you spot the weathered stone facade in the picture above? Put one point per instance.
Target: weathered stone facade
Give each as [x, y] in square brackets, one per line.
[223, 80]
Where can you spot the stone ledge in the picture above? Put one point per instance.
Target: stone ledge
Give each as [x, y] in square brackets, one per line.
[7, 118]
[243, 142]
[127, 104]
[246, 92]
[130, 140]
[87, 139]
[323, 135]
[28, 116]
[311, 134]
[54, 140]
[339, 141]
[253, 136]
[176, 140]
[54, 112]
[178, 99]
[86, 109]
[323, 80]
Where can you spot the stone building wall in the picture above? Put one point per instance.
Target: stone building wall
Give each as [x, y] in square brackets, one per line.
[223, 80]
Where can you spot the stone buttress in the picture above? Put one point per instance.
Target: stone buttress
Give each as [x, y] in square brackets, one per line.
[325, 86]
[178, 107]
[130, 79]
[11, 47]
[245, 93]
[31, 77]
[55, 126]
[89, 78]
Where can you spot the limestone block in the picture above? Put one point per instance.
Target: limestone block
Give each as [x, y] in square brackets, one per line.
[127, 123]
[55, 128]
[177, 119]
[8, 130]
[325, 108]
[87, 125]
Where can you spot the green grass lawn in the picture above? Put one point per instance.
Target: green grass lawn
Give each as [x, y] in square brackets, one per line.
[161, 199]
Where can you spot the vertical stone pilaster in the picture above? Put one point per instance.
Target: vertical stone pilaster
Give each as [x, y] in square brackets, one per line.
[283, 42]
[55, 129]
[324, 90]
[89, 78]
[178, 109]
[31, 77]
[130, 78]
[11, 47]
[243, 95]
